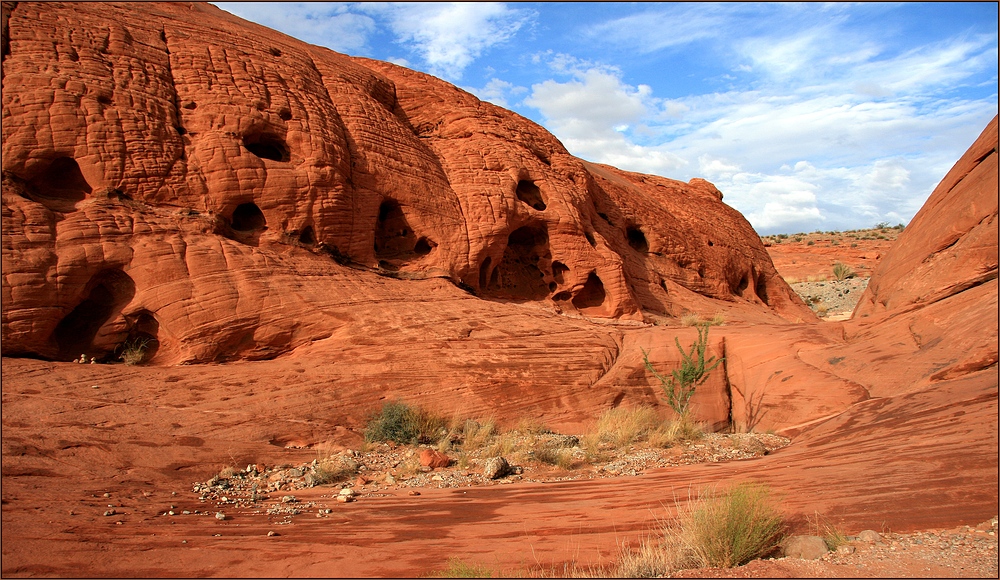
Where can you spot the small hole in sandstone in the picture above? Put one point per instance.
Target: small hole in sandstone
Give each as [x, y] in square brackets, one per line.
[553, 286]
[637, 239]
[562, 296]
[307, 236]
[605, 217]
[529, 193]
[247, 218]
[190, 105]
[284, 113]
[484, 272]
[267, 146]
[592, 294]
[558, 269]
[274, 51]
[422, 248]
[710, 244]
[62, 180]
[181, 130]
[104, 99]
[590, 239]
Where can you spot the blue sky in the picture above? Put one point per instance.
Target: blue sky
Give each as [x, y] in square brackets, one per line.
[806, 116]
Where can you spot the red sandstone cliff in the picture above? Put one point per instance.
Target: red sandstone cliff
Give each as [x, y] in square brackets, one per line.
[173, 173]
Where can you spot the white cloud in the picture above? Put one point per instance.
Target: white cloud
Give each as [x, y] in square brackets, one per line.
[323, 24]
[450, 36]
[497, 91]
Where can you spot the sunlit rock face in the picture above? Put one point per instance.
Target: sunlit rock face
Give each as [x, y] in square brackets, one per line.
[176, 175]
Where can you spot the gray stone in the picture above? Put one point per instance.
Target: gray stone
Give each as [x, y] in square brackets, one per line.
[845, 549]
[870, 536]
[495, 468]
[805, 547]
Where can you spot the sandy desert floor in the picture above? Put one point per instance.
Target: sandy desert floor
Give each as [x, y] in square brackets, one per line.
[96, 457]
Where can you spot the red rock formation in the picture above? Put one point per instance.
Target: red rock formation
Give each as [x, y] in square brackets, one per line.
[171, 173]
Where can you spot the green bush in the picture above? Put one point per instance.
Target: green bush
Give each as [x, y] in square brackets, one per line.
[732, 527]
[680, 386]
[395, 422]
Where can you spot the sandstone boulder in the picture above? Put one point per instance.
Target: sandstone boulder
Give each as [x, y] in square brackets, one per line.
[434, 459]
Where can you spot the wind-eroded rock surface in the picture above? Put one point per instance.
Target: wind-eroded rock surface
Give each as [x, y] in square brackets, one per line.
[174, 174]
[340, 232]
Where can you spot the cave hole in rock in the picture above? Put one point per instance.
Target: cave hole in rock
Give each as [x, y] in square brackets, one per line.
[395, 240]
[553, 286]
[742, 286]
[142, 335]
[247, 217]
[710, 244]
[61, 181]
[558, 269]
[308, 236]
[562, 296]
[267, 146]
[605, 217]
[637, 239]
[518, 275]
[107, 292]
[284, 113]
[484, 272]
[423, 247]
[592, 294]
[761, 290]
[274, 51]
[529, 193]
[590, 239]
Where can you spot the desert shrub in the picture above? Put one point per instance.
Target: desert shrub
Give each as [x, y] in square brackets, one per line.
[333, 469]
[681, 384]
[882, 226]
[655, 558]
[718, 319]
[798, 238]
[476, 434]
[460, 569]
[396, 422]
[731, 527]
[134, 351]
[622, 426]
[672, 432]
[842, 271]
[559, 457]
[810, 243]
[690, 320]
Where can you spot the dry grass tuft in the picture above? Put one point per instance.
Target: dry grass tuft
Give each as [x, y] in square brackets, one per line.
[728, 528]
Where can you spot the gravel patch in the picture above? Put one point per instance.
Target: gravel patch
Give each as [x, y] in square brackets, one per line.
[832, 297]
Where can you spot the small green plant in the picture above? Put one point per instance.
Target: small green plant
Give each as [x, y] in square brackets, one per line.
[882, 226]
[842, 271]
[134, 351]
[729, 528]
[396, 422]
[680, 386]
[810, 243]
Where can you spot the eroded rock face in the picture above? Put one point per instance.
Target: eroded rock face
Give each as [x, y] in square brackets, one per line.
[175, 175]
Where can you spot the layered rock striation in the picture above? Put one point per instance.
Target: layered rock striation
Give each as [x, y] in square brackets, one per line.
[176, 176]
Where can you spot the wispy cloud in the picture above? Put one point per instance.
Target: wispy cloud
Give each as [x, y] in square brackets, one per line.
[448, 37]
[334, 26]
[828, 127]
